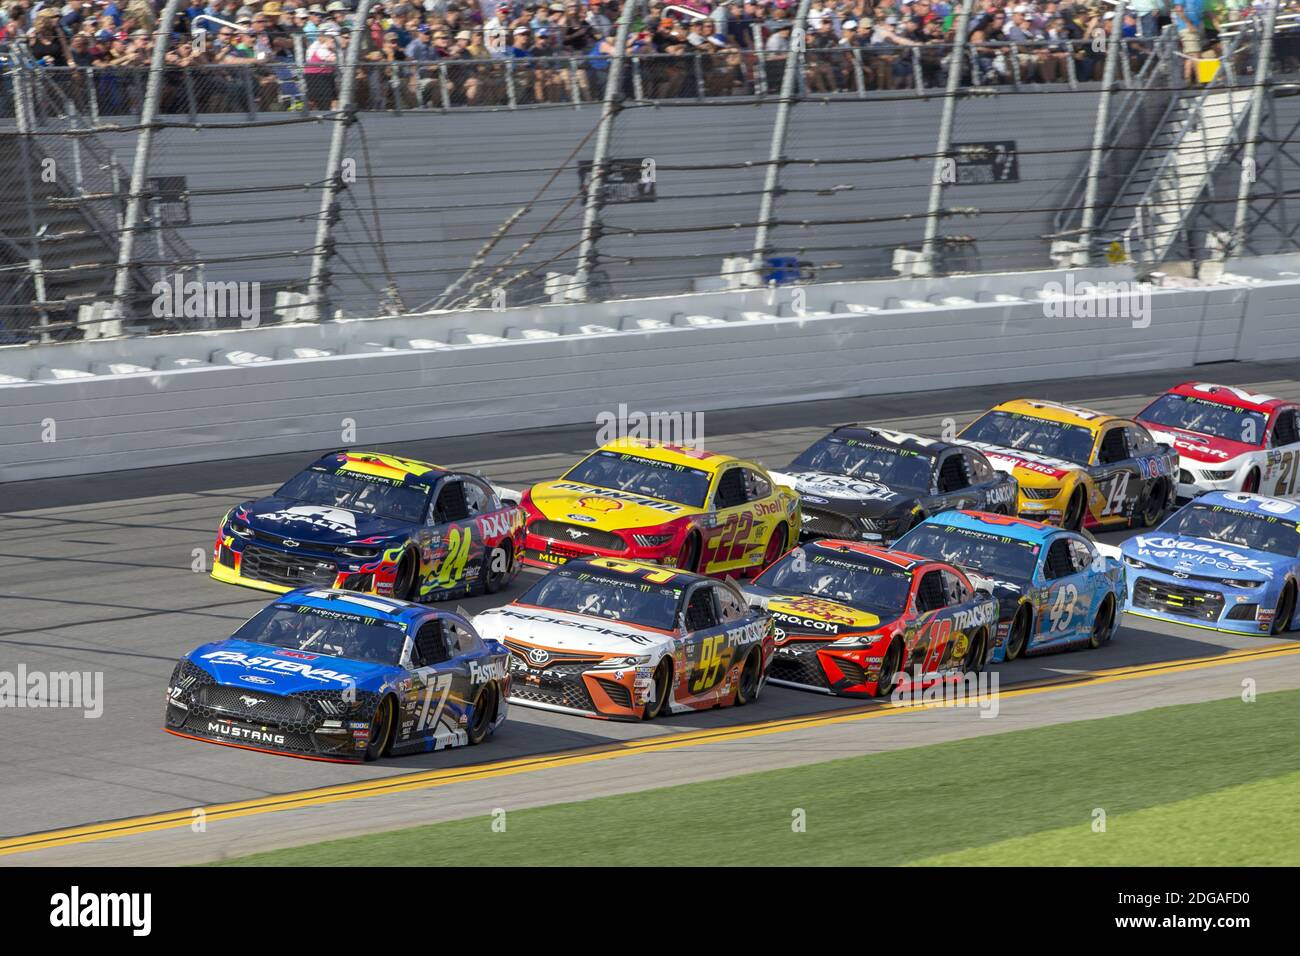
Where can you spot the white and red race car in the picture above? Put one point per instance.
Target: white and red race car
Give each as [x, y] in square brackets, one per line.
[1228, 439]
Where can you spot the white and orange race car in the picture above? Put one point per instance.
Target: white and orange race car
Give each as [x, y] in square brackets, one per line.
[1228, 439]
[646, 501]
[624, 640]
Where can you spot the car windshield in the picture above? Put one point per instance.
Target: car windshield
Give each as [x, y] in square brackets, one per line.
[1207, 418]
[377, 496]
[1038, 435]
[1242, 529]
[861, 582]
[981, 551]
[325, 632]
[855, 458]
[643, 476]
[614, 597]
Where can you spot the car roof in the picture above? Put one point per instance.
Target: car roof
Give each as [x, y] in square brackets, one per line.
[1230, 395]
[350, 602]
[378, 465]
[643, 571]
[1262, 505]
[846, 548]
[927, 447]
[1057, 412]
[1021, 529]
[672, 454]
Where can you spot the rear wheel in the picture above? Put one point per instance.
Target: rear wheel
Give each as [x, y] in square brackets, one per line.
[889, 667]
[1101, 624]
[1285, 611]
[663, 680]
[404, 580]
[381, 730]
[484, 712]
[1018, 636]
[751, 678]
[1072, 520]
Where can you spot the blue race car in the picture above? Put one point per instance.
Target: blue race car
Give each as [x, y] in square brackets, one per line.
[1054, 588]
[1227, 561]
[334, 675]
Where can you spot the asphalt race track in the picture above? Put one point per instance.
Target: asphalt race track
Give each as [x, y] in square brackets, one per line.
[96, 574]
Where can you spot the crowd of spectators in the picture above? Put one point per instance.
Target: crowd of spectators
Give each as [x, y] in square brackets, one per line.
[285, 54]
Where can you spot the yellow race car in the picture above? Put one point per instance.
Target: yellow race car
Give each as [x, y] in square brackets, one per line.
[1077, 468]
[677, 506]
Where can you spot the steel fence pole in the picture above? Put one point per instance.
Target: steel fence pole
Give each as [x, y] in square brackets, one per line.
[941, 159]
[24, 117]
[780, 128]
[1248, 171]
[600, 157]
[122, 307]
[1100, 124]
[318, 304]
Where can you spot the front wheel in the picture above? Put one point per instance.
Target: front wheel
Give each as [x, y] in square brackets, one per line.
[381, 730]
[1153, 505]
[1018, 637]
[775, 546]
[751, 678]
[689, 556]
[1285, 611]
[496, 568]
[973, 662]
[1251, 484]
[889, 668]
[1072, 520]
[663, 681]
[484, 712]
[404, 580]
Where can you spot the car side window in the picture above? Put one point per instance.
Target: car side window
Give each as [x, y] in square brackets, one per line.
[979, 470]
[700, 610]
[952, 473]
[1060, 561]
[1285, 429]
[1082, 554]
[451, 504]
[955, 589]
[930, 593]
[731, 489]
[430, 645]
[731, 607]
[478, 497]
[756, 486]
[1140, 441]
[1112, 448]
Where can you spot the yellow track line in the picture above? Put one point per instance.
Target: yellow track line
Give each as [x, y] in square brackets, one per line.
[422, 780]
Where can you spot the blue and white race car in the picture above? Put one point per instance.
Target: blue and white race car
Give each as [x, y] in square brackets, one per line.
[1228, 561]
[335, 675]
[1055, 588]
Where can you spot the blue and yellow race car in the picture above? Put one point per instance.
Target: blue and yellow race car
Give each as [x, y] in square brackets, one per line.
[331, 675]
[1227, 561]
[1055, 589]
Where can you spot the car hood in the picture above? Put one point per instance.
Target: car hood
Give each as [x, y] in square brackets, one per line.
[278, 670]
[806, 615]
[1205, 449]
[844, 495]
[603, 508]
[563, 631]
[1183, 554]
[318, 523]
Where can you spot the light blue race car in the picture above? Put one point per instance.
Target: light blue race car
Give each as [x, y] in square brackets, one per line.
[1056, 589]
[1227, 561]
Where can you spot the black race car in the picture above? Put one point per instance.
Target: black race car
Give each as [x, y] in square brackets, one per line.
[869, 484]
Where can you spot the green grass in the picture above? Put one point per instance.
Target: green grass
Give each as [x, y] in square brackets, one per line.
[1207, 782]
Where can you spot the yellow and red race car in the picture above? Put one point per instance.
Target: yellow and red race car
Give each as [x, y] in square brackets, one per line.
[1077, 468]
[676, 506]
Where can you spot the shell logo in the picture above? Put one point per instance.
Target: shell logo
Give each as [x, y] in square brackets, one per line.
[596, 503]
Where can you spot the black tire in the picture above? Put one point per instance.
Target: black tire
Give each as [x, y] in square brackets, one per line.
[977, 653]
[663, 678]
[1018, 635]
[404, 585]
[484, 712]
[1251, 483]
[494, 581]
[751, 678]
[1285, 611]
[689, 557]
[1103, 624]
[775, 546]
[1072, 520]
[889, 667]
[1153, 505]
[381, 730]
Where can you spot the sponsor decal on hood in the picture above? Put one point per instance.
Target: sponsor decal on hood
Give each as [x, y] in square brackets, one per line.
[1195, 553]
[566, 631]
[1009, 459]
[817, 616]
[1206, 449]
[840, 486]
